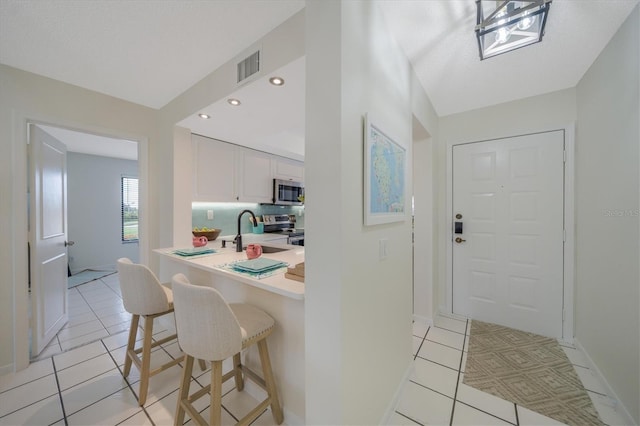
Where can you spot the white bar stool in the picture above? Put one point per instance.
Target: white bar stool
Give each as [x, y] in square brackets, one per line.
[209, 328]
[144, 296]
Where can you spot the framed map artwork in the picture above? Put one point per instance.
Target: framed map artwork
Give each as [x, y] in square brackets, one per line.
[385, 164]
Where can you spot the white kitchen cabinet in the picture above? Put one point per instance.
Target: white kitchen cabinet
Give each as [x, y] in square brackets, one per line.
[255, 176]
[224, 172]
[214, 170]
[287, 169]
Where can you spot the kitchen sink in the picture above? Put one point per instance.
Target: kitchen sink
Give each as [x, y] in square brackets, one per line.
[270, 249]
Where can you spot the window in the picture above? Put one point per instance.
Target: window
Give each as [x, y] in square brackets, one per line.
[129, 205]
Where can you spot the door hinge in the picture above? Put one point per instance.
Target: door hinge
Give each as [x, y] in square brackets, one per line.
[563, 315]
[564, 235]
[564, 156]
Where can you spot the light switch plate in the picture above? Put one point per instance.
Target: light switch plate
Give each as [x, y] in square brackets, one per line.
[210, 214]
[382, 246]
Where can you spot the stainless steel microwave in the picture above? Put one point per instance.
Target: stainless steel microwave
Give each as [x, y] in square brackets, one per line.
[288, 192]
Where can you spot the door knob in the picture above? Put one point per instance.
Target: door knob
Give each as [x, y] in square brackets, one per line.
[69, 243]
[459, 240]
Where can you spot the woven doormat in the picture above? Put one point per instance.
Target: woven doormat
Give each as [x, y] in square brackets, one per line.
[531, 370]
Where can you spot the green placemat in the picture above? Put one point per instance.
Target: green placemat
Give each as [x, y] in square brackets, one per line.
[195, 251]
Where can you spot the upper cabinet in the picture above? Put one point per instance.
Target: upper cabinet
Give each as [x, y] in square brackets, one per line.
[255, 177]
[214, 170]
[224, 172]
[287, 169]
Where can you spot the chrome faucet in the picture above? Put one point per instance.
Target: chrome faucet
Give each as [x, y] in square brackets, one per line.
[238, 239]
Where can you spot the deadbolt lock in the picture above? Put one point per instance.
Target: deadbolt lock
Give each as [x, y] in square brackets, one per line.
[459, 240]
[458, 216]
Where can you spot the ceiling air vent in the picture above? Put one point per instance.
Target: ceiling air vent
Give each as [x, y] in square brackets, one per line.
[249, 66]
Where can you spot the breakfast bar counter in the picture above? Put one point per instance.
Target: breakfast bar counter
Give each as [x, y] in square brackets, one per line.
[280, 297]
[218, 264]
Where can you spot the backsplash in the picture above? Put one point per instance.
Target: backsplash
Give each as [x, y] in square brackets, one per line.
[225, 215]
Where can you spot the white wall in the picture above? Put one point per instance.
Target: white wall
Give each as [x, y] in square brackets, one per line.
[538, 113]
[357, 307]
[183, 180]
[425, 189]
[94, 218]
[26, 97]
[607, 204]
[424, 240]
[323, 182]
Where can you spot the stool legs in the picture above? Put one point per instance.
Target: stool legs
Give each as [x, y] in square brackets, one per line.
[237, 368]
[203, 364]
[270, 381]
[185, 401]
[215, 411]
[133, 332]
[146, 360]
[144, 363]
[183, 394]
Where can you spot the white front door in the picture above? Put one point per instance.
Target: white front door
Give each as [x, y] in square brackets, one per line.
[48, 230]
[508, 196]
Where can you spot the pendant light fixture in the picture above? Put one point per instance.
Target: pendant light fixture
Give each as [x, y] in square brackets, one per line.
[506, 25]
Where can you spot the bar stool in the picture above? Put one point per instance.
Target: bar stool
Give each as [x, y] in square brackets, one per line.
[144, 296]
[209, 328]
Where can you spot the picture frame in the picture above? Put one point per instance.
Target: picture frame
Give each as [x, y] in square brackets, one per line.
[385, 176]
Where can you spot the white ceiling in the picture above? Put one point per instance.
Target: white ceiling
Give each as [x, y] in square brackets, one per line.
[271, 118]
[133, 49]
[136, 50]
[94, 144]
[439, 39]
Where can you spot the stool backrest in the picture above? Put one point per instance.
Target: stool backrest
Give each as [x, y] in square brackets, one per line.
[142, 293]
[207, 327]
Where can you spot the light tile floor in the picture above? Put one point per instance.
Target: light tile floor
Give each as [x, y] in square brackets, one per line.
[95, 312]
[435, 395]
[84, 385]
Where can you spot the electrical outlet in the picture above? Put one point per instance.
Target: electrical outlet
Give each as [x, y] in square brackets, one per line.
[210, 214]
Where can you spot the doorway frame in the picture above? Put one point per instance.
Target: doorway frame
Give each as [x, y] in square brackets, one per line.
[20, 140]
[568, 302]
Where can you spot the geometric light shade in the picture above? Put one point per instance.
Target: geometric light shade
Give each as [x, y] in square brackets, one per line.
[506, 25]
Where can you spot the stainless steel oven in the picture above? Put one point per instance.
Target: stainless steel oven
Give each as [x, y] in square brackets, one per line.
[284, 224]
[296, 240]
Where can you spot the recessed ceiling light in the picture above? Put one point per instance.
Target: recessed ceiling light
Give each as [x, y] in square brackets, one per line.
[233, 101]
[276, 81]
[204, 116]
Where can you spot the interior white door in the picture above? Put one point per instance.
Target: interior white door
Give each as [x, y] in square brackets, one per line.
[48, 226]
[508, 261]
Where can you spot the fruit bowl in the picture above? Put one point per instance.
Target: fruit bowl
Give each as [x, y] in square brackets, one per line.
[211, 234]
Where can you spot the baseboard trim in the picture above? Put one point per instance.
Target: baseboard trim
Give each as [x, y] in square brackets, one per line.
[452, 316]
[258, 393]
[6, 369]
[423, 320]
[385, 420]
[620, 408]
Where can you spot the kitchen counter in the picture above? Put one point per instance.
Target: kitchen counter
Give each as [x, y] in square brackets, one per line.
[278, 296]
[215, 262]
